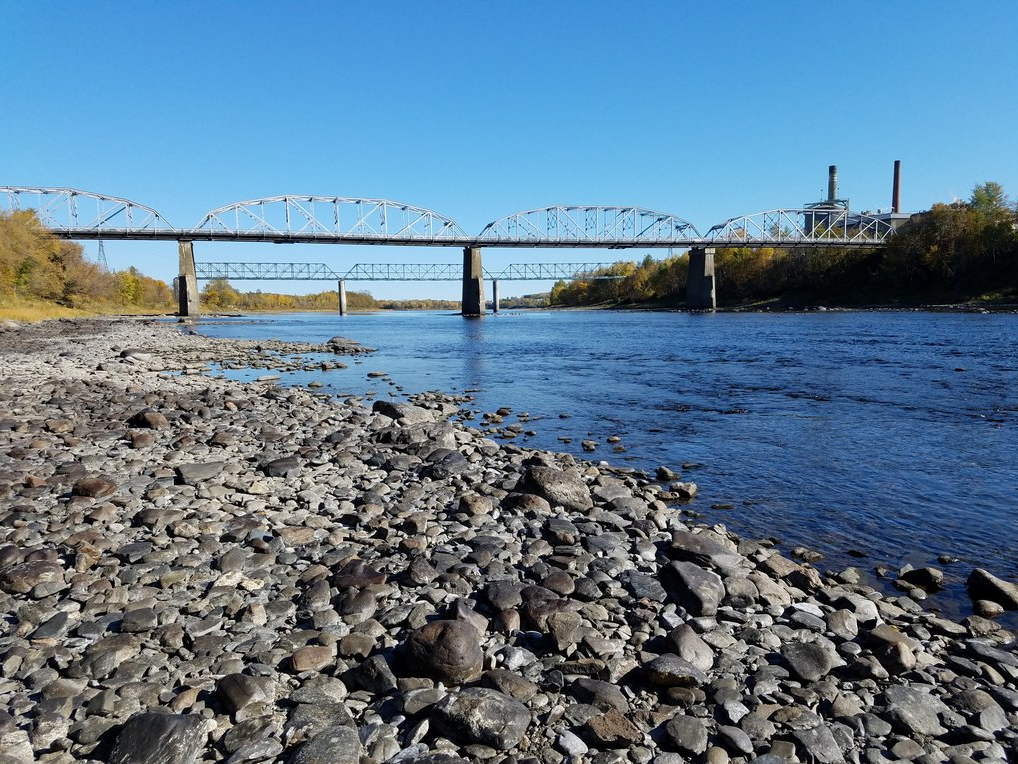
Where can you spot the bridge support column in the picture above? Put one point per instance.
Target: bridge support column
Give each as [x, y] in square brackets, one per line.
[187, 282]
[494, 295]
[473, 283]
[342, 297]
[700, 288]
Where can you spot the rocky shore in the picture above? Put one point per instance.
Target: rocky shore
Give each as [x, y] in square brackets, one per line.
[198, 570]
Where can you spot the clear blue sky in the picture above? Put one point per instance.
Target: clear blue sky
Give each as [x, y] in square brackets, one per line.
[476, 110]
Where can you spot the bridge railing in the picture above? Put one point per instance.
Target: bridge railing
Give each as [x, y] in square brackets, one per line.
[588, 226]
[85, 212]
[333, 218]
[798, 227]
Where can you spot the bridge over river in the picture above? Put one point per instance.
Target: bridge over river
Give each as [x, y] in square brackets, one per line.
[84, 215]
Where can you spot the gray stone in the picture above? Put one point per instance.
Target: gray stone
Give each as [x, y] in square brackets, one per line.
[704, 551]
[670, 670]
[153, 738]
[914, 711]
[687, 734]
[819, 742]
[690, 646]
[481, 715]
[558, 487]
[337, 744]
[699, 591]
[983, 585]
[808, 660]
[198, 472]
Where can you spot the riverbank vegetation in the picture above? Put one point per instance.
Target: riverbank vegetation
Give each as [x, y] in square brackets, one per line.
[44, 277]
[959, 252]
[219, 295]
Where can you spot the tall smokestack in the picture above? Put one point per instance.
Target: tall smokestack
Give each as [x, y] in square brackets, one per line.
[832, 183]
[896, 193]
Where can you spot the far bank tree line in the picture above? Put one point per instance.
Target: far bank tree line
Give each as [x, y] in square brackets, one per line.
[219, 295]
[966, 250]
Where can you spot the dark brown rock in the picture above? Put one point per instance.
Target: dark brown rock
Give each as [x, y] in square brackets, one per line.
[447, 650]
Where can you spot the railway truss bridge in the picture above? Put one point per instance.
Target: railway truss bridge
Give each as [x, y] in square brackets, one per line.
[83, 215]
[234, 271]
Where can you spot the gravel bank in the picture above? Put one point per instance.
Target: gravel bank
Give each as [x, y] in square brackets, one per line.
[198, 570]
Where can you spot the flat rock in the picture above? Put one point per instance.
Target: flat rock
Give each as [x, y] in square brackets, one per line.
[153, 738]
[198, 472]
[914, 711]
[337, 744]
[704, 551]
[670, 670]
[481, 715]
[612, 729]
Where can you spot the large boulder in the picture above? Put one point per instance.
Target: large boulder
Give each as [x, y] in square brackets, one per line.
[559, 487]
[699, 591]
[153, 738]
[447, 650]
[406, 413]
[983, 585]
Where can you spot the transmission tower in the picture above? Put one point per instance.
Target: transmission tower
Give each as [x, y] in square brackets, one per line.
[101, 257]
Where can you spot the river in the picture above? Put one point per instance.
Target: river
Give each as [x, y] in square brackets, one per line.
[886, 434]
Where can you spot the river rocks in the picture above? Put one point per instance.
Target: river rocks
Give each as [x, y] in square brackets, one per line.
[284, 576]
[448, 650]
[481, 715]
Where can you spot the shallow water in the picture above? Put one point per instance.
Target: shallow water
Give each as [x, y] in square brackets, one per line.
[889, 433]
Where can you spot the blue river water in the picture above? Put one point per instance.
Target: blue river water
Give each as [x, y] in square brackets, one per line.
[891, 434]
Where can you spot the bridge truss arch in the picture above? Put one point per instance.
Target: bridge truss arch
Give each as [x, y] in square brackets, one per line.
[329, 219]
[85, 214]
[810, 226]
[578, 226]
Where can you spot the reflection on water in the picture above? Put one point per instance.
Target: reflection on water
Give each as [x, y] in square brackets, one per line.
[891, 434]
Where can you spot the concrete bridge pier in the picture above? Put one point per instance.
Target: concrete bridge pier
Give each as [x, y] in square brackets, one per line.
[473, 283]
[494, 296]
[187, 281]
[700, 287]
[342, 297]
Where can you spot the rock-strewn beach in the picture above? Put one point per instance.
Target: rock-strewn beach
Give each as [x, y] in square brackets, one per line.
[194, 569]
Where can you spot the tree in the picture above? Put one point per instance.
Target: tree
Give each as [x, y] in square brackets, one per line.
[991, 204]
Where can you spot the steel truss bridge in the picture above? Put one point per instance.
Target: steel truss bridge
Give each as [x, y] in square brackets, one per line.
[83, 215]
[399, 272]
